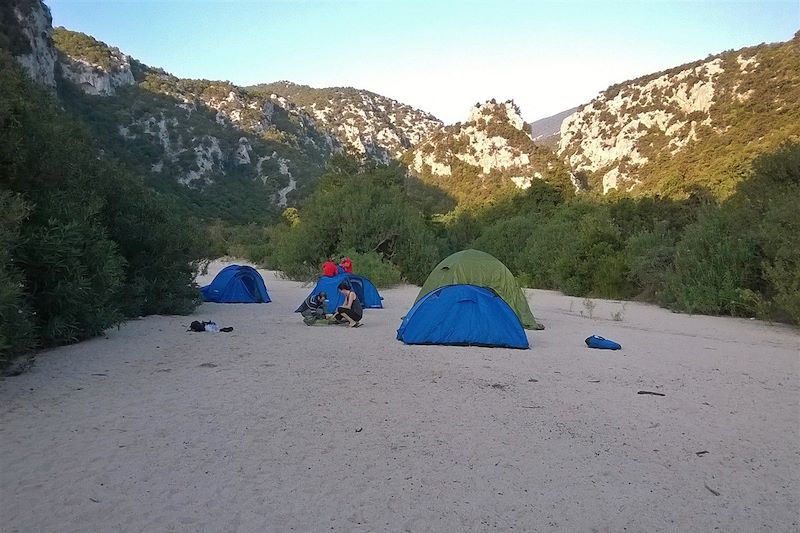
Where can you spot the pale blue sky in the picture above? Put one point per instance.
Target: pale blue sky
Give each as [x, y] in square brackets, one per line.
[440, 56]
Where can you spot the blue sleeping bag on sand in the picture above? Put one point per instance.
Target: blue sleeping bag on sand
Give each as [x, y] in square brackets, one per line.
[596, 341]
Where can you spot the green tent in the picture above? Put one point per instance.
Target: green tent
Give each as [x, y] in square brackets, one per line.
[479, 268]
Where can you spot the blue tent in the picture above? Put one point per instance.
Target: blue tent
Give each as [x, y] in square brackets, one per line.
[465, 315]
[364, 289]
[236, 284]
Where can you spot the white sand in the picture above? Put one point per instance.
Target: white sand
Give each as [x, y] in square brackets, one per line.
[327, 428]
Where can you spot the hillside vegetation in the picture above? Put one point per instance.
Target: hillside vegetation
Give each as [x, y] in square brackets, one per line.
[487, 157]
[695, 127]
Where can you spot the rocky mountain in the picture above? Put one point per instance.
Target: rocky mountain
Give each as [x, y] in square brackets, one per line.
[204, 135]
[210, 141]
[547, 131]
[491, 151]
[243, 153]
[691, 127]
[25, 27]
[365, 122]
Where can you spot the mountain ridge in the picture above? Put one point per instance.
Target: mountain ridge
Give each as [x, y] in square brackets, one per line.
[666, 133]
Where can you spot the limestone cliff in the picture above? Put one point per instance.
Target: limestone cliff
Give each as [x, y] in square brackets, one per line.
[492, 150]
[649, 133]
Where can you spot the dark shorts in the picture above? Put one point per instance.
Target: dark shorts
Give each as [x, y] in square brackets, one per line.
[349, 312]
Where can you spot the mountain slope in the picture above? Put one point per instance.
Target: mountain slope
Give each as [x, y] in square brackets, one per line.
[367, 123]
[489, 153]
[227, 152]
[696, 126]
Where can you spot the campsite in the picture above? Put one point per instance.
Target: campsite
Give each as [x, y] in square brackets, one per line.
[399, 266]
[151, 427]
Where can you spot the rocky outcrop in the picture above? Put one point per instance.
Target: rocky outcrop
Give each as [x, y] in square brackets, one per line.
[36, 26]
[631, 125]
[95, 79]
[363, 122]
[492, 149]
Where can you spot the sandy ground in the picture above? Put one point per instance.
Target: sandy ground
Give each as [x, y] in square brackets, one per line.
[282, 427]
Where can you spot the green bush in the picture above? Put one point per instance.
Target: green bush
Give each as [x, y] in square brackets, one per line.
[371, 265]
[649, 256]
[94, 245]
[715, 261]
[16, 324]
[772, 197]
[74, 272]
[358, 208]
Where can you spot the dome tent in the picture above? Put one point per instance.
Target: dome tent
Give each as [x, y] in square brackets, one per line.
[363, 287]
[464, 315]
[236, 284]
[478, 268]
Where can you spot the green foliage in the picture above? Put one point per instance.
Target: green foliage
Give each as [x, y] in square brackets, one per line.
[16, 323]
[74, 271]
[90, 245]
[649, 254]
[370, 264]
[714, 261]
[249, 242]
[362, 209]
[81, 46]
[771, 198]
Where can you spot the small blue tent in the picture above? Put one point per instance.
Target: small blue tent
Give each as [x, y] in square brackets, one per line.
[465, 315]
[364, 289]
[236, 284]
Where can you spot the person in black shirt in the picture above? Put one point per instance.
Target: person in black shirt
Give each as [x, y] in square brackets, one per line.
[351, 310]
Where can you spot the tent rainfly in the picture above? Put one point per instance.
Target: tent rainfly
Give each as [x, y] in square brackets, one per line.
[464, 315]
[474, 267]
[236, 284]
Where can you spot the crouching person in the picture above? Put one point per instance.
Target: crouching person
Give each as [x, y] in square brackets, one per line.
[313, 308]
[351, 310]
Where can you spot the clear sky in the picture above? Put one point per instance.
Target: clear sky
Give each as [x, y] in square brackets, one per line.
[441, 56]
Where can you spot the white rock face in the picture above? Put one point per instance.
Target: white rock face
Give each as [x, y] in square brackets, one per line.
[480, 148]
[283, 168]
[243, 151]
[421, 160]
[504, 112]
[608, 133]
[95, 79]
[207, 155]
[522, 182]
[37, 27]
[369, 124]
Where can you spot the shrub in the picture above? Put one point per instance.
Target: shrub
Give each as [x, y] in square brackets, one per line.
[73, 271]
[649, 256]
[371, 265]
[16, 325]
[364, 212]
[715, 261]
[96, 245]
